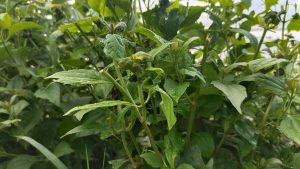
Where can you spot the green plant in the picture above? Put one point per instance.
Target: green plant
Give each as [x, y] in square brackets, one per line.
[104, 85]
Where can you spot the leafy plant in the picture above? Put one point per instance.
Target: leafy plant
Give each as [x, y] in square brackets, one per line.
[109, 84]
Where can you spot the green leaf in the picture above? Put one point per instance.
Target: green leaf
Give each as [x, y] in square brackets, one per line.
[151, 35]
[193, 15]
[159, 49]
[152, 159]
[269, 3]
[114, 46]
[185, 166]
[294, 25]
[51, 93]
[252, 38]
[226, 2]
[296, 160]
[5, 21]
[229, 68]
[167, 107]
[193, 72]
[17, 108]
[234, 92]
[259, 64]
[63, 148]
[8, 123]
[79, 76]
[205, 142]
[19, 26]
[85, 24]
[246, 131]
[270, 83]
[50, 156]
[175, 89]
[116, 164]
[82, 110]
[290, 126]
[189, 41]
[22, 162]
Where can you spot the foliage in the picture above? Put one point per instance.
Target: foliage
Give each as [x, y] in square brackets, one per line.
[107, 84]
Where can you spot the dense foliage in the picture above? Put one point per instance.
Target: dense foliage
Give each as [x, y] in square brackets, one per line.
[99, 84]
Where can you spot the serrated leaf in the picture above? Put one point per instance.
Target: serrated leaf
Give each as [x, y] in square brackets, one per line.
[22, 162]
[79, 76]
[19, 26]
[82, 110]
[114, 46]
[252, 38]
[175, 89]
[49, 155]
[262, 63]
[151, 35]
[159, 49]
[234, 92]
[272, 84]
[152, 159]
[290, 127]
[167, 107]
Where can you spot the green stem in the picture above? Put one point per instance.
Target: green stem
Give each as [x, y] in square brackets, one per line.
[205, 51]
[284, 19]
[87, 158]
[191, 123]
[260, 43]
[132, 137]
[266, 114]
[125, 144]
[123, 89]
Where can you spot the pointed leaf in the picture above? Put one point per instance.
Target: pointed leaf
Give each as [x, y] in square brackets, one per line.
[252, 38]
[258, 64]
[167, 107]
[175, 89]
[82, 110]
[234, 92]
[151, 35]
[79, 76]
[152, 159]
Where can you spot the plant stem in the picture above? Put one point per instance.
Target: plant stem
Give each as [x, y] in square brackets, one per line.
[123, 89]
[132, 137]
[260, 43]
[87, 158]
[191, 123]
[125, 144]
[284, 19]
[266, 114]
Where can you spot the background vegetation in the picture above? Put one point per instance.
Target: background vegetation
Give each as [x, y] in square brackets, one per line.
[99, 84]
